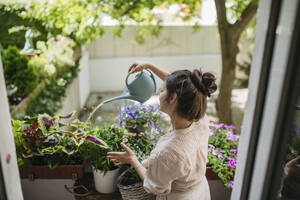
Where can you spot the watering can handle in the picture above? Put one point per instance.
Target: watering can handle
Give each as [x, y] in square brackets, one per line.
[128, 76]
[151, 74]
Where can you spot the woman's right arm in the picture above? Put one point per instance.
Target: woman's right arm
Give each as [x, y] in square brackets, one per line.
[137, 67]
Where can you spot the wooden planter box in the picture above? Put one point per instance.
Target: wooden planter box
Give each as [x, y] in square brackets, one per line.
[73, 172]
[210, 175]
[47, 184]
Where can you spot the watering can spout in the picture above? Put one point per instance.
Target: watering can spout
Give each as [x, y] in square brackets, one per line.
[122, 97]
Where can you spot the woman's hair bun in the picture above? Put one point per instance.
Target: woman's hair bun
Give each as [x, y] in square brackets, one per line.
[205, 83]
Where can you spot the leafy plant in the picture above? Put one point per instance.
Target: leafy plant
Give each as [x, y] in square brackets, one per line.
[56, 54]
[50, 140]
[95, 155]
[17, 72]
[222, 152]
[49, 100]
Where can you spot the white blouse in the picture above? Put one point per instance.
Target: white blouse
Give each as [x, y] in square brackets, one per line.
[176, 166]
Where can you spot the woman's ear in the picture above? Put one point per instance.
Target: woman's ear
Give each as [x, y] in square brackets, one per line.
[173, 98]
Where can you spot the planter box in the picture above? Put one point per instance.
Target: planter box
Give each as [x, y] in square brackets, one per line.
[43, 183]
[217, 189]
[73, 172]
[210, 175]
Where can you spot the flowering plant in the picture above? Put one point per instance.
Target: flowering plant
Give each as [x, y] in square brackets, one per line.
[48, 140]
[136, 118]
[222, 152]
[142, 131]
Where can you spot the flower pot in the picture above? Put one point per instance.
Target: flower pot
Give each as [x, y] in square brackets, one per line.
[105, 183]
[210, 175]
[40, 182]
[217, 189]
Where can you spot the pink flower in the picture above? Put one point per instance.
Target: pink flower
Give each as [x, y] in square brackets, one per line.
[34, 125]
[231, 184]
[233, 150]
[217, 153]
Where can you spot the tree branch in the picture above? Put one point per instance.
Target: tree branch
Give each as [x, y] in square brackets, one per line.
[240, 25]
[134, 3]
[221, 14]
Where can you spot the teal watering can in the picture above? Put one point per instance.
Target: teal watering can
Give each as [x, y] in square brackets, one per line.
[140, 89]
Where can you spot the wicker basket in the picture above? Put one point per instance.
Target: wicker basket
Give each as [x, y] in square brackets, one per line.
[132, 192]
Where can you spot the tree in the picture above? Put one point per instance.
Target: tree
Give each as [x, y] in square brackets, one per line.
[81, 20]
[230, 34]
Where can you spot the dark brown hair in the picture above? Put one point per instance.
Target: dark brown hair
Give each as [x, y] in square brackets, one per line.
[192, 89]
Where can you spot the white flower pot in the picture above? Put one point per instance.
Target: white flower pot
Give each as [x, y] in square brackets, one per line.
[105, 183]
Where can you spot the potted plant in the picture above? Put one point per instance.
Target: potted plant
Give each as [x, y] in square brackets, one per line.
[222, 156]
[142, 133]
[48, 148]
[105, 172]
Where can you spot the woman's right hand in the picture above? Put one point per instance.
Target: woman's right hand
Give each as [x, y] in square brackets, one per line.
[137, 67]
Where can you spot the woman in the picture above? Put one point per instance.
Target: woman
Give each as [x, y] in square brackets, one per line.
[176, 167]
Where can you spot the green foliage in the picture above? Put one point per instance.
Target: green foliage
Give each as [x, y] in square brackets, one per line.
[222, 152]
[56, 54]
[95, 155]
[43, 139]
[49, 100]
[17, 72]
[13, 27]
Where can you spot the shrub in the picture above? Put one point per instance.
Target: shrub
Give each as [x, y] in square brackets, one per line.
[18, 73]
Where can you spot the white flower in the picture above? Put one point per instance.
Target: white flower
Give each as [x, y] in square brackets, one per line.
[50, 69]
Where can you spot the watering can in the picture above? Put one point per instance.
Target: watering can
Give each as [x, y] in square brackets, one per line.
[140, 89]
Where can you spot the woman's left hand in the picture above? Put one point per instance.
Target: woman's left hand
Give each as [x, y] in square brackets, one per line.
[121, 158]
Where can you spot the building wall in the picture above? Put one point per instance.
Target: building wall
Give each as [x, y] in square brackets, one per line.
[176, 48]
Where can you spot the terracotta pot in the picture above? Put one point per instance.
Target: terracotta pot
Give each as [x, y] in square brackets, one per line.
[210, 175]
[44, 172]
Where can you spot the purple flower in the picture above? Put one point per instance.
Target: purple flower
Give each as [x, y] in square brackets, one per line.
[158, 128]
[231, 184]
[229, 158]
[211, 132]
[217, 153]
[216, 126]
[32, 132]
[27, 128]
[232, 127]
[231, 163]
[231, 137]
[233, 150]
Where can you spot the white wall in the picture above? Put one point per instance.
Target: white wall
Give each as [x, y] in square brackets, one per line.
[79, 90]
[173, 41]
[84, 78]
[109, 74]
[7, 147]
[176, 48]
